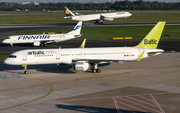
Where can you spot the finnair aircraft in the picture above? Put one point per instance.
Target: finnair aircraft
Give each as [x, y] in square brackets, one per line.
[84, 59]
[100, 17]
[43, 39]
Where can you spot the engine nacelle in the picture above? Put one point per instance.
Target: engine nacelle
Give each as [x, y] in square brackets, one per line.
[36, 43]
[109, 19]
[82, 66]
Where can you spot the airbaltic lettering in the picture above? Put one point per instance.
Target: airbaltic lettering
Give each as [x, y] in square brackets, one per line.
[40, 52]
[30, 37]
[152, 41]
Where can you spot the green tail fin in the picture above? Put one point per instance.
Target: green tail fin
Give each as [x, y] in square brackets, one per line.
[152, 38]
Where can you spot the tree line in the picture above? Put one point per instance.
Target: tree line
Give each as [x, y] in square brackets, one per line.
[117, 5]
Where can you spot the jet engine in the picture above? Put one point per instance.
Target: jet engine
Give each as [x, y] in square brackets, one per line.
[36, 43]
[102, 17]
[82, 66]
[108, 19]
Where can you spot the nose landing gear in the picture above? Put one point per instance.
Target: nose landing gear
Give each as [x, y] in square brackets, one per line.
[25, 69]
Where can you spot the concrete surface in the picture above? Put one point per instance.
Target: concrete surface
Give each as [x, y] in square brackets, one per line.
[151, 85]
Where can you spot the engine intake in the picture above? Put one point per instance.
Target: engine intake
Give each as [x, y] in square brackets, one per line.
[36, 43]
[82, 66]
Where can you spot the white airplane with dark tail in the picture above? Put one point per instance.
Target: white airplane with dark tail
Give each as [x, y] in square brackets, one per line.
[43, 39]
[99, 18]
[84, 59]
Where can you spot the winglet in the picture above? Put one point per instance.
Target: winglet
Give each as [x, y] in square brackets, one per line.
[83, 43]
[140, 57]
[152, 38]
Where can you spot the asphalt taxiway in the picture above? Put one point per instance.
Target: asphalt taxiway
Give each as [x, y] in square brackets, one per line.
[151, 85]
[7, 30]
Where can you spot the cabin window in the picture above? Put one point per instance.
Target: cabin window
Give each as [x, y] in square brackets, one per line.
[12, 56]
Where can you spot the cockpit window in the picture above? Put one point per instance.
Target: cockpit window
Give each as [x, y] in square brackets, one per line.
[8, 38]
[12, 56]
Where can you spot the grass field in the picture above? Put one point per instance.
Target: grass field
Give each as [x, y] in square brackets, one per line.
[51, 18]
[137, 32]
[3, 57]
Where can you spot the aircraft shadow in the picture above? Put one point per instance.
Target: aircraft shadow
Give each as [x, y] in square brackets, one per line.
[89, 109]
[18, 45]
[49, 68]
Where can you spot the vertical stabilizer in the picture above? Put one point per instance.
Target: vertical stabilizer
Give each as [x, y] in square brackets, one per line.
[68, 12]
[77, 29]
[152, 38]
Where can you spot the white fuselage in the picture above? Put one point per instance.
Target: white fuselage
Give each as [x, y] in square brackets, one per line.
[38, 38]
[66, 56]
[43, 39]
[107, 16]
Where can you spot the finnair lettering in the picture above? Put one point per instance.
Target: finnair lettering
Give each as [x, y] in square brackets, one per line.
[31, 37]
[77, 27]
[152, 41]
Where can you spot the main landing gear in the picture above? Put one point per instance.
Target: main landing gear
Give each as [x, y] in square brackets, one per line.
[98, 22]
[94, 69]
[43, 45]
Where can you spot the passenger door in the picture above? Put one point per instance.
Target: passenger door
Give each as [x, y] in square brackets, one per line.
[24, 56]
[57, 55]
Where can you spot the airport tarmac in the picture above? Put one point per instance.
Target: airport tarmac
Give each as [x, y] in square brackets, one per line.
[151, 85]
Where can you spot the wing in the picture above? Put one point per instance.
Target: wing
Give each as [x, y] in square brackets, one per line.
[46, 42]
[108, 60]
[100, 60]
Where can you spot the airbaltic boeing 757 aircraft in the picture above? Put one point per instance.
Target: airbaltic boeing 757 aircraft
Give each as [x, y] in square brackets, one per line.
[83, 59]
[43, 39]
[100, 17]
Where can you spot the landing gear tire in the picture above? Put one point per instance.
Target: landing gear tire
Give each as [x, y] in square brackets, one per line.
[25, 72]
[96, 70]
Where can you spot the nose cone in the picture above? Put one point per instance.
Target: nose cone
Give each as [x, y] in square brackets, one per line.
[7, 61]
[4, 41]
[130, 14]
